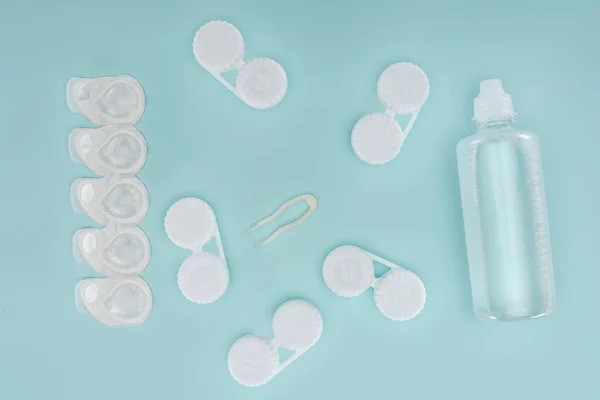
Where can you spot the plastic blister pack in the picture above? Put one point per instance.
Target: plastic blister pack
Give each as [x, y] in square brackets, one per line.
[109, 150]
[219, 47]
[111, 199]
[253, 360]
[114, 250]
[107, 100]
[403, 88]
[113, 301]
[203, 277]
[399, 294]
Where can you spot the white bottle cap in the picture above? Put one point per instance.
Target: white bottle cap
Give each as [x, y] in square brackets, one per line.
[493, 103]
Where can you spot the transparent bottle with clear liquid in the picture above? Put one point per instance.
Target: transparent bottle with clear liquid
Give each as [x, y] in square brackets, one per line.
[504, 211]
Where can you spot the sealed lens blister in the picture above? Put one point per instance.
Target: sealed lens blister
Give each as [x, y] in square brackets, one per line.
[219, 47]
[110, 150]
[399, 294]
[253, 360]
[203, 277]
[111, 199]
[107, 100]
[114, 250]
[403, 88]
[114, 301]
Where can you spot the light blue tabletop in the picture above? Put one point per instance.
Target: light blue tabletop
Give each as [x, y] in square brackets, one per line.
[204, 142]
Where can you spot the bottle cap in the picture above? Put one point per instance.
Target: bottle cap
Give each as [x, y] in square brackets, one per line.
[493, 103]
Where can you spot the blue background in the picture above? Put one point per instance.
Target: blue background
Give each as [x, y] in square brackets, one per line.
[205, 142]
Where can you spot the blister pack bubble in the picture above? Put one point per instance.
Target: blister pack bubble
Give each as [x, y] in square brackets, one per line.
[110, 150]
[116, 151]
[203, 277]
[111, 199]
[107, 100]
[403, 88]
[219, 47]
[115, 250]
[114, 301]
[254, 360]
[399, 293]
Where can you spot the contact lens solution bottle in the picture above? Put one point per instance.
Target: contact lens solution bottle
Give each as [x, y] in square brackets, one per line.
[504, 211]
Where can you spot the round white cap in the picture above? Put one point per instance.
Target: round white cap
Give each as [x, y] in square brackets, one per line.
[203, 278]
[190, 223]
[493, 103]
[348, 271]
[297, 324]
[218, 45]
[377, 138]
[252, 360]
[261, 83]
[403, 88]
[400, 295]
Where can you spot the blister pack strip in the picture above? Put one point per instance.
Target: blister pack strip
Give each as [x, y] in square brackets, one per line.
[399, 293]
[118, 199]
[403, 88]
[254, 360]
[219, 47]
[203, 277]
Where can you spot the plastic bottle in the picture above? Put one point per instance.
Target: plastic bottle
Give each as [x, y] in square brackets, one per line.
[504, 210]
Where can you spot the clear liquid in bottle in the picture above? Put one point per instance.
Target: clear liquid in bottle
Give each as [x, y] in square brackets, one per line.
[504, 211]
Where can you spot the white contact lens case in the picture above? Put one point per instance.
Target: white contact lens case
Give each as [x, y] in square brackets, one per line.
[219, 47]
[403, 88]
[203, 277]
[399, 293]
[253, 360]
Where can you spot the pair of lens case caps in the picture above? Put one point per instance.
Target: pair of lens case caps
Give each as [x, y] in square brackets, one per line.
[117, 151]
[262, 83]
[203, 277]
